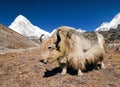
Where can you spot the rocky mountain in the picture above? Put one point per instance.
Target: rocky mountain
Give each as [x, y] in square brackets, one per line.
[113, 24]
[10, 39]
[23, 26]
[112, 36]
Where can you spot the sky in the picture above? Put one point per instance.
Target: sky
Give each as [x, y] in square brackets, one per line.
[50, 14]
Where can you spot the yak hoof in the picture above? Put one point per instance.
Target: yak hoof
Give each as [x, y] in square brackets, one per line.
[79, 73]
[63, 73]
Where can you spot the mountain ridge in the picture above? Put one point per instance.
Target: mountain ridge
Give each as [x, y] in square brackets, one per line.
[23, 26]
[106, 26]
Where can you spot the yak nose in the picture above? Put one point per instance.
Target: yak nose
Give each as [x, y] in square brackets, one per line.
[43, 61]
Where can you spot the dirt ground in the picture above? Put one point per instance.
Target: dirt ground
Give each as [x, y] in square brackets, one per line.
[23, 69]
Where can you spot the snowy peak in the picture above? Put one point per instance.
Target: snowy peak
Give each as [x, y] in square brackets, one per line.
[23, 26]
[21, 18]
[108, 25]
[69, 27]
[115, 21]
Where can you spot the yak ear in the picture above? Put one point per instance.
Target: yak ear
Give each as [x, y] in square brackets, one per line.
[57, 39]
[60, 38]
[41, 38]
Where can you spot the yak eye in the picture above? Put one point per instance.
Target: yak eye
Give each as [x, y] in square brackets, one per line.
[50, 47]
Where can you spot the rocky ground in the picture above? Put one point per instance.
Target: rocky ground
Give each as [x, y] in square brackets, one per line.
[23, 69]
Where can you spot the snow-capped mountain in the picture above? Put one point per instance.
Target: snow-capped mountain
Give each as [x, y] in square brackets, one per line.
[23, 26]
[108, 25]
[79, 30]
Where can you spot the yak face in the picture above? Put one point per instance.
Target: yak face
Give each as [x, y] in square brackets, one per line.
[49, 50]
[53, 48]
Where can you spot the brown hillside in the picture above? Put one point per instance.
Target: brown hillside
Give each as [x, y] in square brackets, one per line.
[12, 40]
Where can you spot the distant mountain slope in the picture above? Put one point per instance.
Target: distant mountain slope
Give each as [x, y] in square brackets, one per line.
[13, 40]
[23, 26]
[108, 25]
[113, 35]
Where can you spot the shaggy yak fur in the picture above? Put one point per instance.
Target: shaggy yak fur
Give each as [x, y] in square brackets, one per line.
[74, 49]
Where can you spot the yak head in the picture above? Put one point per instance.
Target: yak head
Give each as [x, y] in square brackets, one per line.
[55, 47]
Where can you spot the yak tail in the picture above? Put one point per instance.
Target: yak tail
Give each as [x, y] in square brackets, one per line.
[101, 41]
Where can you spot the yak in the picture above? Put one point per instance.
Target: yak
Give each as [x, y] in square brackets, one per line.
[71, 48]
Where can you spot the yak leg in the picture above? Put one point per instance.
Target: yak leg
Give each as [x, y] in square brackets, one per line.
[79, 72]
[102, 65]
[63, 64]
[64, 70]
[97, 66]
